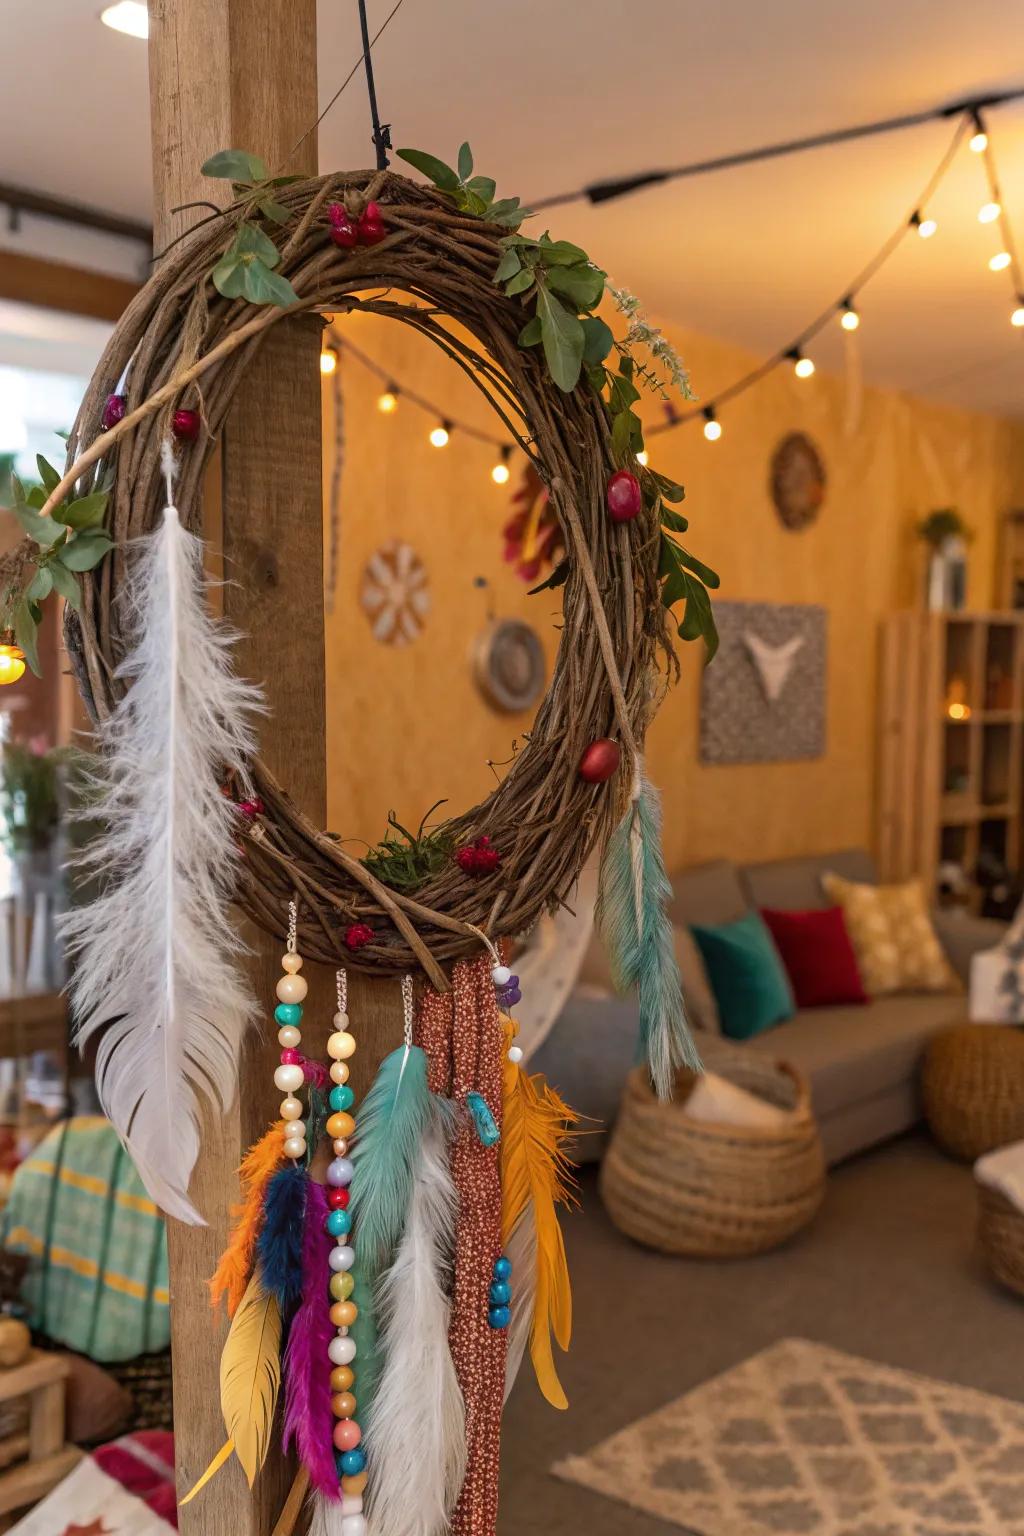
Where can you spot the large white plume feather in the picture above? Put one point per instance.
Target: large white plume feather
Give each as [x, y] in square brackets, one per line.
[154, 952]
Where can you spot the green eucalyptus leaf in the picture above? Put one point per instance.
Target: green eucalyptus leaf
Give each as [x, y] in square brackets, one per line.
[674, 520]
[703, 572]
[47, 474]
[465, 162]
[562, 337]
[562, 253]
[65, 584]
[85, 551]
[508, 266]
[45, 530]
[276, 212]
[235, 165]
[86, 512]
[434, 169]
[598, 340]
[531, 333]
[472, 203]
[670, 489]
[26, 635]
[622, 434]
[251, 241]
[507, 212]
[484, 187]
[519, 283]
[37, 497]
[261, 286]
[622, 393]
[229, 277]
[583, 286]
[41, 585]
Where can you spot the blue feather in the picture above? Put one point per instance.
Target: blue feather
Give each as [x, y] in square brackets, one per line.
[637, 934]
[280, 1241]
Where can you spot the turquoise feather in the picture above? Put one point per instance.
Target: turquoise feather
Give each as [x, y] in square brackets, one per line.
[637, 934]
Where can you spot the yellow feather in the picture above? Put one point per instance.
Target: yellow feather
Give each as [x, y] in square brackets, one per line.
[537, 1174]
[215, 1466]
[250, 1375]
[258, 1168]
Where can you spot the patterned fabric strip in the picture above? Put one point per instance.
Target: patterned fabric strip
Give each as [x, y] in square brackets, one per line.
[461, 1034]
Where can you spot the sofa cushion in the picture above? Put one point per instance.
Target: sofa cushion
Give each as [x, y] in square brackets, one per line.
[818, 956]
[793, 885]
[707, 893]
[851, 1053]
[893, 936]
[747, 975]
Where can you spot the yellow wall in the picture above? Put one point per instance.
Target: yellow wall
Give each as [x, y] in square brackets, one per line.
[406, 726]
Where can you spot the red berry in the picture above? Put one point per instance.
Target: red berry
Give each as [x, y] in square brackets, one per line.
[371, 214]
[623, 497]
[337, 213]
[251, 808]
[346, 234]
[599, 761]
[185, 425]
[358, 934]
[465, 858]
[337, 1199]
[372, 234]
[487, 859]
[113, 411]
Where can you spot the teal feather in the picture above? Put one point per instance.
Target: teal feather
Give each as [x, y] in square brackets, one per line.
[637, 934]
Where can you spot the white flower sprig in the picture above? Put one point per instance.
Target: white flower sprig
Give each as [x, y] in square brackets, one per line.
[642, 333]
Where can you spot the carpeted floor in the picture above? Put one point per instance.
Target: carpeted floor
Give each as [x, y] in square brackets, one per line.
[888, 1270]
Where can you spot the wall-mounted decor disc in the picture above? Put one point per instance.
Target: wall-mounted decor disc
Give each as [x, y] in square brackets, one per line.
[797, 481]
[508, 664]
[395, 595]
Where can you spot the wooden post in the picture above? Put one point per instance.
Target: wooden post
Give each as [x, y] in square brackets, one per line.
[242, 74]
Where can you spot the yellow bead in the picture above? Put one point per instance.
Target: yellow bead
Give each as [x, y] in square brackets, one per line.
[354, 1484]
[341, 1044]
[291, 963]
[341, 1285]
[342, 1377]
[339, 1071]
[291, 989]
[343, 1405]
[340, 1123]
[344, 1314]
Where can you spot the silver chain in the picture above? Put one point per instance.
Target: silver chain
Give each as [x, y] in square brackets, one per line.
[341, 980]
[407, 1007]
[293, 925]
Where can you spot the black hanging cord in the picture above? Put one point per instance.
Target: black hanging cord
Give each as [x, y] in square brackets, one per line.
[381, 131]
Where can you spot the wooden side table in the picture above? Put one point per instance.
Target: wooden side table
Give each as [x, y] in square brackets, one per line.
[972, 1082]
[35, 1458]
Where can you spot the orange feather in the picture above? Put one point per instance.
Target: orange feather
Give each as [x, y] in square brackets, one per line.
[236, 1262]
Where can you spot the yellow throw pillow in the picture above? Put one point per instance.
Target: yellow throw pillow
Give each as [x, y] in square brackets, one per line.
[896, 945]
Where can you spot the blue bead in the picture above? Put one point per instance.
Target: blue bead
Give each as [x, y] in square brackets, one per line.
[339, 1222]
[342, 1097]
[288, 1013]
[500, 1293]
[503, 1268]
[499, 1317]
[352, 1462]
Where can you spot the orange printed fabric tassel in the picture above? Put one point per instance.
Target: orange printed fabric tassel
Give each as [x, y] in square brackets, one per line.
[234, 1271]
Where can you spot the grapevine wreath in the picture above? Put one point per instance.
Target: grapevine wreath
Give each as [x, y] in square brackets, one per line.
[434, 254]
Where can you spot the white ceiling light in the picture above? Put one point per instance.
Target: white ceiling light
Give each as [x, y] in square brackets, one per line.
[128, 16]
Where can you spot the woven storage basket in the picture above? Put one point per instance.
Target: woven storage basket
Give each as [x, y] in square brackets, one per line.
[1001, 1235]
[972, 1082]
[708, 1190]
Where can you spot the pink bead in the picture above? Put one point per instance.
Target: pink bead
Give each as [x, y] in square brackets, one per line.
[290, 1058]
[347, 1434]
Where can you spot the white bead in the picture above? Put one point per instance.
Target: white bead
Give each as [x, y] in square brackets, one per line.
[501, 975]
[342, 1257]
[339, 1072]
[342, 1351]
[341, 1045]
[515, 1053]
[291, 963]
[353, 1525]
[295, 1147]
[288, 1078]
[341, 1021]
[291, 1109]
[339, 1173]
[351, 1503]
[291, 989]
[289, 1037]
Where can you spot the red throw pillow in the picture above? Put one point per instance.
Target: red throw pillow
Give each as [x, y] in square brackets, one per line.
[818, 956]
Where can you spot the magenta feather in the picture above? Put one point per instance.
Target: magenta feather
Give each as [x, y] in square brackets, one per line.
[308, 1419]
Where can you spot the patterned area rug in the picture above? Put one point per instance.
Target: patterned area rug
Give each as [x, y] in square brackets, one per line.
[804, 1441]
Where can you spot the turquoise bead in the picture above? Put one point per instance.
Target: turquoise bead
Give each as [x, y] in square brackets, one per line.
[352, 1463]
[339, 1222]
[499, 1317]
[342, 1097]
[288, 1013]
[500, 1293]
[503, 1268]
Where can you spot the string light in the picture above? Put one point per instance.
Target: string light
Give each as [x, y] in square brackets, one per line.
[1017, 318]
[925, 227]
[712, 426]
[440, 435]
[803, 367]
[849, 319]
[979, 139]
[988, 213]
[999, 262]
[643, 457]
[328, 360]
[387, 401]
[500, 473]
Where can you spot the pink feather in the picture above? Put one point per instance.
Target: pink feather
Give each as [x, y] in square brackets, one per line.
[308, 1419]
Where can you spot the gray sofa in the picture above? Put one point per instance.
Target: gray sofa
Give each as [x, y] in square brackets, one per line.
[862, 1062]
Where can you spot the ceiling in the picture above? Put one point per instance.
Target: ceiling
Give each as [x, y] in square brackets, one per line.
[554, 95]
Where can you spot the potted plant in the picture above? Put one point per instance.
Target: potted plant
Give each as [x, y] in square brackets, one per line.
[946, 534]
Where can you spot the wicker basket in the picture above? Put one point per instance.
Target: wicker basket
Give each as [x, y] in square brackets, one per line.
[972, 1082]
[708, 1190]
[1001, 1235]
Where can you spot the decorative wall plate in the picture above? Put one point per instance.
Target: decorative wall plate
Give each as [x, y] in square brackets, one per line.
[797, 481]
[395, 593]
[508, 665]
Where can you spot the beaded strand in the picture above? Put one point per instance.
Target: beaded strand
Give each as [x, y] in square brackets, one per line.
[289, 1077]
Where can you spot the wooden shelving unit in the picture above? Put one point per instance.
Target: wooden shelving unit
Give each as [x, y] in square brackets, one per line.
[952, 742]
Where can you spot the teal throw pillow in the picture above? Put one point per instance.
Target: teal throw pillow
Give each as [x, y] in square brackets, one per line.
[746, 974]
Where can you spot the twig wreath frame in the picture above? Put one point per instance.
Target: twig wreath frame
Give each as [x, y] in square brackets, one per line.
[181, 343]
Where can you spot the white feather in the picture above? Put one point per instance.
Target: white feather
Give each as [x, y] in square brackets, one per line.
[417, 1421]
[521, 1251]
[154, 952]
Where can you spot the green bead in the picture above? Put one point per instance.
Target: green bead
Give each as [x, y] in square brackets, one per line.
[288, 1013]
[342, 1097]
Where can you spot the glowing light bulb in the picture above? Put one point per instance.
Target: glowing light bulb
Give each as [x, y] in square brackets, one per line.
[387, 403]
[988, 213]
[642, 457]
[328, 360]
[712, 426]
[802, 366]
[500, 473]
[12, 663]
[128, 16]
[439, 436]
[979, 142]
[1017, 318]
[849, 319]
[925, 227]
[999, 262]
